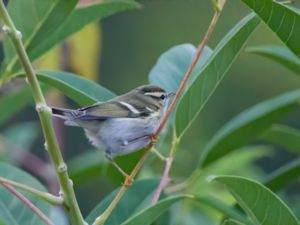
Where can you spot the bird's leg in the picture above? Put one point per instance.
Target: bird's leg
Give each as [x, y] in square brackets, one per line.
[128, 179]
[153, 138]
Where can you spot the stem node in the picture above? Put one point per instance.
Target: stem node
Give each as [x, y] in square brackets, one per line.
[6, 29]
[18, 35]
[62, 168]
[40, 108]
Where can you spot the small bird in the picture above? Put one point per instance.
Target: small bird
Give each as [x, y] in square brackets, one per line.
[123, 124]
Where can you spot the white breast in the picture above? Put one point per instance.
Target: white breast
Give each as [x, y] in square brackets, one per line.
[120, 136]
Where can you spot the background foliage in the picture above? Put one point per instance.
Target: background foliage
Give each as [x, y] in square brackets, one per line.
[248, 73]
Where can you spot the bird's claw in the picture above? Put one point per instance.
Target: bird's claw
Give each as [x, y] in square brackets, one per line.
[128, 181]
[153, 139]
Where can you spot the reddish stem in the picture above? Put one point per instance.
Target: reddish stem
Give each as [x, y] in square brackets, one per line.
[165, 177]
[28, 203]
[163, 181]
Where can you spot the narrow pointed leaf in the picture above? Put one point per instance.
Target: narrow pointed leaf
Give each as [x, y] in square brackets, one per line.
[283, 20]
[138, 197]
[279, 54]
[42, 19]
[284, 136]
[283, 176]
[260, 203]
[193, 101]
[79, 89]
[248, 125]
[151, 213]
[79, 18]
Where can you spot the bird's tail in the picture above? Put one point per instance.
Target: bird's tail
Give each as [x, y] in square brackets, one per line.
[65, 114]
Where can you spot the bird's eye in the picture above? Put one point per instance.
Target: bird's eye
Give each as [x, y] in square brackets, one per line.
[162, 97]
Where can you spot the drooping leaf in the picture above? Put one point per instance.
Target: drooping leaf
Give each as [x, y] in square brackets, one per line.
[137, 197]
[211, 75]
[151, 213]
[285, 136]
[42, 19]
[20, 212]
[13, 102]
[283, 20]
[279, 54]
[170, 68]
[79, 89]
[248, 125]
[260, 203]
[80, 17]
[283, 176]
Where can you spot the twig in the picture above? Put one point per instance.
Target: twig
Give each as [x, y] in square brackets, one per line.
[164, 180]
[44, 112]
[218, 6]
[158, 154]
[52, 199]
[28, 203]
[103, 217]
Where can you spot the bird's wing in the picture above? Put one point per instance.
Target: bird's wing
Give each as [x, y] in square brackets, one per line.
[111, 109]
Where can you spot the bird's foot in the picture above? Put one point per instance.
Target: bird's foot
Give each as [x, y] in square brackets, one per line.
[153, 139]
[128, 181]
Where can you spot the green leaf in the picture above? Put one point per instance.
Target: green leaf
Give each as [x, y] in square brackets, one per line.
[22, 134]
[283, 176]
[86, 167]
[279, 54]
[13, 102]
[170, 68]
[5, 216]
[79, 18]
[231, 222]
[151, 213]
[211, 75]
[283, 20]
[42, 19]
[20, 212]
[137, 197]
[260, 204]
[79, 89]
[224, 208]
[248, 125]
[284, 136]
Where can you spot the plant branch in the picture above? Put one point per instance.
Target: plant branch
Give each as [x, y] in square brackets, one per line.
[164, 180]
[103, 217]
[45, 116]
[28, 203]
[158, 154]
[52, 199]
[218, 6]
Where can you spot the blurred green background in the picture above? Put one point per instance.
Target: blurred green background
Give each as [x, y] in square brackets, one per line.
[132, 41]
